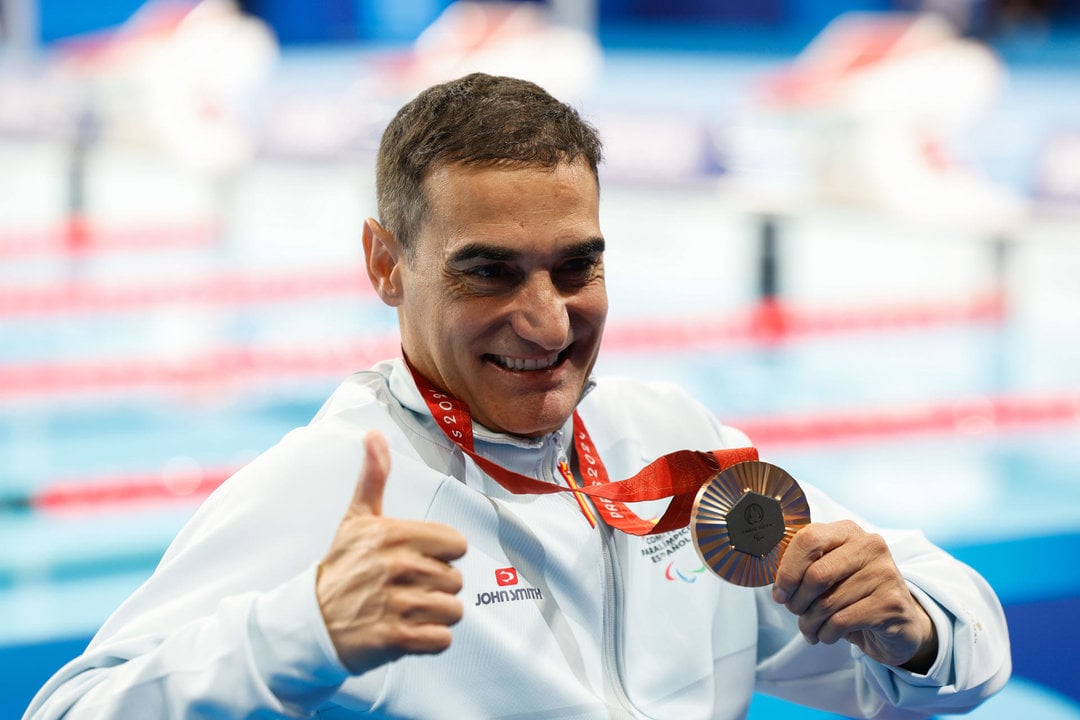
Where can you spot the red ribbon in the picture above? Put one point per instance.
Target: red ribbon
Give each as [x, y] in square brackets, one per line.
[678, 475]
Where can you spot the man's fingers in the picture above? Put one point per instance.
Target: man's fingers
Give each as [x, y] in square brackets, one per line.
[834, 613]
[370, 485]
[431, 539]
[822, 576]
[806, 548]
[422, 572]
[418, 621]
[424, 607]
[424, 639]
[838, 623]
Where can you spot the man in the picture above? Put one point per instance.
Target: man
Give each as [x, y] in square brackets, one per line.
[455, 586]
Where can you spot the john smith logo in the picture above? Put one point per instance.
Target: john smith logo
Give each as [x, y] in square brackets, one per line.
[673, 573]
[506, 577]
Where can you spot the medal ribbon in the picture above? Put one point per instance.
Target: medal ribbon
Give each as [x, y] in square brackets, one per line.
[678, 475]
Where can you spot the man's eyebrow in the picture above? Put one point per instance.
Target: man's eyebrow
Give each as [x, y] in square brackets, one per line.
[480, 251]
[498, 253]
[592, 246]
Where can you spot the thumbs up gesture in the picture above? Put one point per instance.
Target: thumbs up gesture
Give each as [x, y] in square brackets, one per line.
[386, 587]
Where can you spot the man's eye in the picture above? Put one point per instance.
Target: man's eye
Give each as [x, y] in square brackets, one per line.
[579, 268]
[490, 277]
[488, 272]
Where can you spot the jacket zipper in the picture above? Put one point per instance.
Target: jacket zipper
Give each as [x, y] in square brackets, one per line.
[612, 591]
[612, 611]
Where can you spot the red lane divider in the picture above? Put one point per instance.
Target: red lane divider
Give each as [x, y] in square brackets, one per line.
[75, 496]
[81, 237]
[230, 366]
[961, 418]
[970, 417]
[229, 288]
[237, 366]
[774, 322]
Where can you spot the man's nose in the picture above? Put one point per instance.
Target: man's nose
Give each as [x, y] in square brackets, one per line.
[541, 315]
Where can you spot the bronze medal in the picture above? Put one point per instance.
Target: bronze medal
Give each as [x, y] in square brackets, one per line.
[743, 520]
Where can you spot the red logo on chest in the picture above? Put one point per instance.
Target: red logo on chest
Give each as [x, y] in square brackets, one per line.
[506, 576]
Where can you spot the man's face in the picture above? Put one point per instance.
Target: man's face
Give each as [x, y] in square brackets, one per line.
[503, 301]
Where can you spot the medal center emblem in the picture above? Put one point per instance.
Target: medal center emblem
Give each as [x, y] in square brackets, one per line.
[755, 524]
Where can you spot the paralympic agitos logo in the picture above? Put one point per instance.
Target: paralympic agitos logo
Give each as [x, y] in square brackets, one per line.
[508, 577]
[671, 573]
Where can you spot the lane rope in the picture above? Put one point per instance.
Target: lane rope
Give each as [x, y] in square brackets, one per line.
[238, 366]
[969, 417]
[78, 237]
[221, 288]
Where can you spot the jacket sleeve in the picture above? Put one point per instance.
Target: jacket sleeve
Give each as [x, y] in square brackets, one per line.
[257, 655]
[973, 659]
[229, 625]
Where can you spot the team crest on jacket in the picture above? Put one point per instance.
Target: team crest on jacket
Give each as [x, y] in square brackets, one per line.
[665, 551]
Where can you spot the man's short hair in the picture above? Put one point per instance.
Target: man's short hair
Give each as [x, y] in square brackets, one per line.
[478, 119]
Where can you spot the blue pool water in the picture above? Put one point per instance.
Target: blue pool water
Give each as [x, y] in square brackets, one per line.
[1004, 499]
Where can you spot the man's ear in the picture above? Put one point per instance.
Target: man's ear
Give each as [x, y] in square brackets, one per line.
[383, 257]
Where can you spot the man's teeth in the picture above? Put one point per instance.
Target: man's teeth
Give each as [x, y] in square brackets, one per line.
[511, 363]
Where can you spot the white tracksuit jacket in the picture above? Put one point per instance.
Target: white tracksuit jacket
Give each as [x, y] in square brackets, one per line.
[598, 625]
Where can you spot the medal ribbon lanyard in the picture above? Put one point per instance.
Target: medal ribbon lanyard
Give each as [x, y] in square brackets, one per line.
[678, 475]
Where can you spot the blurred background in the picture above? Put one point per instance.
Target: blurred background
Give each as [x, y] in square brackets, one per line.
[851, 228]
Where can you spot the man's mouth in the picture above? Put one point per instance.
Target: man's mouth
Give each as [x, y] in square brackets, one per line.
[517, 364]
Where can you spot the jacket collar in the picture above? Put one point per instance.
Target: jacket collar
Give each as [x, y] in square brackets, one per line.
[403, 388]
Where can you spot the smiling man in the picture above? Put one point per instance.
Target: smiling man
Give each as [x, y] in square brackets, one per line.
[500, 293]
[487, 562]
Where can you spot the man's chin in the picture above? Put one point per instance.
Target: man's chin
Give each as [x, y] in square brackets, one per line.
[527, 420]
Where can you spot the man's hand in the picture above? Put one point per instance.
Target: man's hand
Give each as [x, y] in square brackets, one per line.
[386, 587]
[843, 584]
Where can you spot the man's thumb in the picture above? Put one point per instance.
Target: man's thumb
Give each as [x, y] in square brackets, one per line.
[372, 481]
